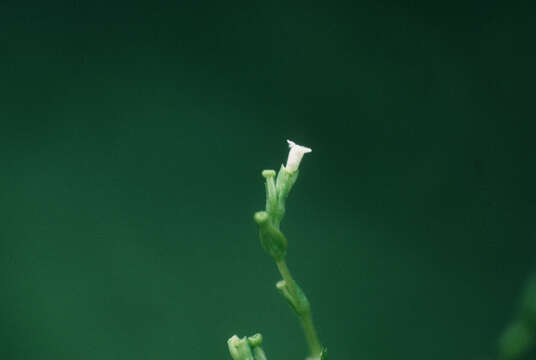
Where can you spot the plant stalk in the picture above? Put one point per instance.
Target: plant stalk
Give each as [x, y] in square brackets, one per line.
[305, 317]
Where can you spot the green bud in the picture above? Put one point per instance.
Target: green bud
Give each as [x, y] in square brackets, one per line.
[271, 192]
[272, 240]
[239, 348]
[268, 173]
[255, 340]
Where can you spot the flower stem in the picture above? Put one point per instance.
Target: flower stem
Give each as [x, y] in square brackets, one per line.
[304, 314]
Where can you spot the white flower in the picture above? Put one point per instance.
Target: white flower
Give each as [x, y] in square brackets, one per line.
[295, 156]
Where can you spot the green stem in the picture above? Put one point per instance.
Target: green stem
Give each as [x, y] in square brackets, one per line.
[310, 334]
[285, 273]
[305, 317]
[259, 354]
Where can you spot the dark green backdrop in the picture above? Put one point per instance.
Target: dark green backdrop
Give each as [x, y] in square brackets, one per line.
[132, 140]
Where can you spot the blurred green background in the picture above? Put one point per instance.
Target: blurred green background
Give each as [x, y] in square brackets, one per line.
[132, 140]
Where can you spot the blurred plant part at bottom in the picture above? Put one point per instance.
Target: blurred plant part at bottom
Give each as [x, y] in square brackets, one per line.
[519, 337]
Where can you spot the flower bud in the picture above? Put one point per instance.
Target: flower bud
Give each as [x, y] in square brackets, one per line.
[255, 340]
[271, 192]
[239, 348]
[268, 174]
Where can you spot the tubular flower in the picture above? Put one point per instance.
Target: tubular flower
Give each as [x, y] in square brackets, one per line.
[295, 156]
